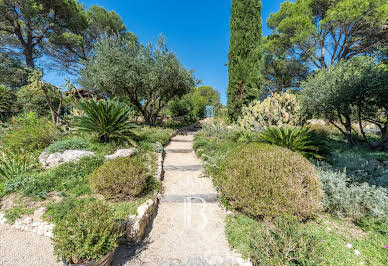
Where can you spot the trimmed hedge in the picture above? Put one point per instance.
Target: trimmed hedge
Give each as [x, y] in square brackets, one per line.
[120, 179]
[261, 180]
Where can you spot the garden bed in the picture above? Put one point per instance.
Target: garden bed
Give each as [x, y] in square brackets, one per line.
[30, 199]
[352, 227]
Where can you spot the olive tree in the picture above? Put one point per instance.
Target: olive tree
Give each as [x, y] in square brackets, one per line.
[148, 75]
[353, 91]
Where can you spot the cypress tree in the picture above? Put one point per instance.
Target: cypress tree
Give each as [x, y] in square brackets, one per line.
[245, 55]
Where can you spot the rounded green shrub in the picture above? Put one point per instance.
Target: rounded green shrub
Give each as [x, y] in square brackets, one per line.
[261, 180]
[120, 179]
[30, 134]
[87, 232]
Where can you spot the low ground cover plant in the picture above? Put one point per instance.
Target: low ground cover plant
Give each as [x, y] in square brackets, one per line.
[262, 180]
[69, 144]
[88, 232]
[13, 164]
[29, 133]
[154, 134]
[284, 242]
[68, 178]
[17, 212]
[345, 198]
[120, 179]
[324, 241]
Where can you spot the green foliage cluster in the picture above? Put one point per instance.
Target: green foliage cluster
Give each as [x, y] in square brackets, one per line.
[323, 32]
[345, 198]
[69, 178]
[14, 164]
[2, 190]
[120, 179]
[183, 108]
[299, 139]
[263, 241]
[285, 243]
[215, 141]
[154, 134]
[109, 120]
[7, 102]
[371, 224]
[203, 96]
[31, 98]
[13, 74]
[260, 180]
[351, 91]
[245, 55]
[68, 37]
[87, 233]
[30, 133]
[192, 106]
[361, 164]
[279, 109]
[69, 144]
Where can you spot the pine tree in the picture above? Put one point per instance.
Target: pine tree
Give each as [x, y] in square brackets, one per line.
[245, 55]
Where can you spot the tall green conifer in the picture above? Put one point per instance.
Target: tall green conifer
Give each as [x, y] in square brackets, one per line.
[245, 55]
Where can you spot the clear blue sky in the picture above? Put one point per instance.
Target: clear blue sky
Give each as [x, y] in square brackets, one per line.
[196, 30]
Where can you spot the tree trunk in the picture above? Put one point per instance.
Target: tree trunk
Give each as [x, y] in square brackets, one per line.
[28, 53]
[362, 128]
[348, 128]
[384, 136]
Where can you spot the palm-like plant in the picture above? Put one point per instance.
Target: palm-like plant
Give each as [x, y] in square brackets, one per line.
[110, 120]
[14, 164]
[300, 139]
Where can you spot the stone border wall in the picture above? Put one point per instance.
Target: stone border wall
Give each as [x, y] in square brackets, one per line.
[136, 225]
[28, 224]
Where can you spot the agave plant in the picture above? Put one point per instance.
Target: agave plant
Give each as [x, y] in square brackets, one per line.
[299, 139]
[110, 120]
[14, 164]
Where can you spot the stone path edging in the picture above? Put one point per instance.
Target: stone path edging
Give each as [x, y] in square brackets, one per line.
[189, 228]
[135, 225]
[28, 224]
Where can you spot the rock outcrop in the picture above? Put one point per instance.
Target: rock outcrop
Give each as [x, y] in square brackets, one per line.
[50, 160]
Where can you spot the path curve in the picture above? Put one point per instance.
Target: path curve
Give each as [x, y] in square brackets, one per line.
[189, 226]
[19, 248]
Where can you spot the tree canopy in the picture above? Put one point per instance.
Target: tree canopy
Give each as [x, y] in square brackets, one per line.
[70, 45]
[25, 25]
[148, 75]
[282, 72]
[326, 31]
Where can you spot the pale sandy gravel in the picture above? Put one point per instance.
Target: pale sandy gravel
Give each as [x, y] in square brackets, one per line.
[18, 248]
[172, 241]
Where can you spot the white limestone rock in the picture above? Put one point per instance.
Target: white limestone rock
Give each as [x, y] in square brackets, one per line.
[57, 158]
[121, 153]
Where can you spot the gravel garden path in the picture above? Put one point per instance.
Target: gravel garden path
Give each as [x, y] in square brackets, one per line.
[189, 226]
[18, 248]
